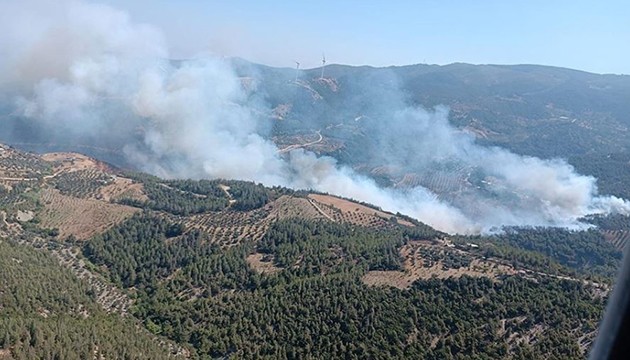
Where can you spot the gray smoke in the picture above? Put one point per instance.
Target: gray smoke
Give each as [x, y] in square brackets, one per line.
[81, 70]
[500, 187]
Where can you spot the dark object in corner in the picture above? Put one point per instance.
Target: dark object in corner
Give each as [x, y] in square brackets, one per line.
[613, 341]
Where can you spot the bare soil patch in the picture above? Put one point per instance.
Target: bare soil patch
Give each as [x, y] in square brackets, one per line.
[262, 265]
[68, 161]
[417, 265]
[122, 188]
[23, 216]
[82, 218]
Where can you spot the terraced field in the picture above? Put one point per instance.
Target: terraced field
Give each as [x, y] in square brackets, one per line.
[428, 259]
[107, 295]
[82, 218]
[82, 183]
[228, 228]
[21, 166]
[342, 210]
[619, 238]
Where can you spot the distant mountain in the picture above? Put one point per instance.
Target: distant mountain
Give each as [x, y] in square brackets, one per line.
[532, 110]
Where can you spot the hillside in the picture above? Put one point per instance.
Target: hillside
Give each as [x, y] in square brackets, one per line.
[534, 110]
[224, 268]
[531, 110]
[540, 111]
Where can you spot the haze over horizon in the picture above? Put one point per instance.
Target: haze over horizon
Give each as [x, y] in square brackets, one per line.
[172, 187]
[580, 35]
[197, 120]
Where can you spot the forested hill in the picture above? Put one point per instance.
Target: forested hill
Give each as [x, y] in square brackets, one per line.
[542, 111]
[531, 109]
[99, 262]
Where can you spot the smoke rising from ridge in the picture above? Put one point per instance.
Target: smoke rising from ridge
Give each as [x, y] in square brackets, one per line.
[81, 70]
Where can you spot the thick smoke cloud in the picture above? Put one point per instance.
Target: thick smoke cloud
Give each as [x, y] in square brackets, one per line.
[496, 187]
[82, 70]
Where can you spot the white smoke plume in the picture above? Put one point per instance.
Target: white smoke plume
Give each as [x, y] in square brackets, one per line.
[86, 70]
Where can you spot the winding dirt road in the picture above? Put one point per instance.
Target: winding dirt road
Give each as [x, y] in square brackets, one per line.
[297, 146]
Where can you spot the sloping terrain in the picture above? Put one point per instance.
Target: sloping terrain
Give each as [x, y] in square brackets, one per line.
[224, 268]
[540, 111]
[535, 110]
[79, 217]
[437, 259]
[49, 313]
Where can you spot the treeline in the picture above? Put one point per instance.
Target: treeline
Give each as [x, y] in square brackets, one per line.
[137, 252]
[585, 252]
[145, 250]
[318, 246]
[186, 197]
[248, 195]
[337, 316]
[163, 197]
[47, 313]
[612, 171]
[610, 221]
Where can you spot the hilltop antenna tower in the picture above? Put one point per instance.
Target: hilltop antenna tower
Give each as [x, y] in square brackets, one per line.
[297, 70]
[323, 65]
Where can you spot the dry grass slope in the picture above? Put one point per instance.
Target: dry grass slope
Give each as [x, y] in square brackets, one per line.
[347, 211]
[420, 264]
[82, 218]
[619, 238]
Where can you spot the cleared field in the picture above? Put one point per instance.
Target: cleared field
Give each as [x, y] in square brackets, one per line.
[425, 260]
[67, 162]
[82, 218]
[121, 187]
[260, 264]
[619, 238]
[347, 211]
[288, 206]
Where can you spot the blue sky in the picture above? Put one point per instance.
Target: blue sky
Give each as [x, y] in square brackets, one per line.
[586, 35]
